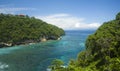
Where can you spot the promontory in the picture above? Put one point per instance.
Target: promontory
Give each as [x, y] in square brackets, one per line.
[23, 29]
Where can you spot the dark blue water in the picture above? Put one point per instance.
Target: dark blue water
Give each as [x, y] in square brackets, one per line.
[37, 57]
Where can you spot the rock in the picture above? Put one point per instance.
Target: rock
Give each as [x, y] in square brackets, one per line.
[5, 44]
[43, 39]
[59, 38]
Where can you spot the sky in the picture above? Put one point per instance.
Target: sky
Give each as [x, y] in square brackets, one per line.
[66, 14]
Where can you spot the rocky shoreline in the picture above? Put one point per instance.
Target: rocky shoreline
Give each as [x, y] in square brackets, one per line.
[2, 44]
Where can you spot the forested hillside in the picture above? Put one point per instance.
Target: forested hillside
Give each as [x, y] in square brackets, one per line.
[102, 51]
[21, 29]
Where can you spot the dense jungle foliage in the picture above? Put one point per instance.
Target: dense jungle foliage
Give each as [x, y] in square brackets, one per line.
[102, 50]
[18, 29]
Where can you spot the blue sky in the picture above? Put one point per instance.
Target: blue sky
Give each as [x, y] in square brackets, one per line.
[67, 14]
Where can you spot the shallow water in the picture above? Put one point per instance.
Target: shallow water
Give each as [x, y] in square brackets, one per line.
[37, 57]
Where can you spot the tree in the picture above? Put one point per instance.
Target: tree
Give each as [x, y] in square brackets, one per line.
[56, 64]
[118, 16]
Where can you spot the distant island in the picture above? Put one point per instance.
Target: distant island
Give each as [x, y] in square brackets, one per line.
[102, 51]
[22, 29]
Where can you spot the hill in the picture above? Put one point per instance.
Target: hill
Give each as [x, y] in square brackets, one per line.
[22, 29]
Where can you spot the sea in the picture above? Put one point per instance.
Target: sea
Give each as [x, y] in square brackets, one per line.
[38, 56]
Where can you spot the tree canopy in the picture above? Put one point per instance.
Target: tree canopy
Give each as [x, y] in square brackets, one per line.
[17, 29]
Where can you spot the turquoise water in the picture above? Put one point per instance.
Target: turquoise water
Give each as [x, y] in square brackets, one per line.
[37, 57]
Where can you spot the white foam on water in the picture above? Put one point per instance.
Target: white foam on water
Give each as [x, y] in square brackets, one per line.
[3, 66]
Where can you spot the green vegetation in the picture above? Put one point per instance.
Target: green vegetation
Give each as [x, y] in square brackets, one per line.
[56, 64]
[22, 29]
[102, 50]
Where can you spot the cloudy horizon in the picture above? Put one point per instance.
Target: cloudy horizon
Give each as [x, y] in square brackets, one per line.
[69, 22]
[66, 14]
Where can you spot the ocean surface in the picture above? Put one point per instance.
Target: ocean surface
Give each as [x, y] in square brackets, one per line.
[37, 57]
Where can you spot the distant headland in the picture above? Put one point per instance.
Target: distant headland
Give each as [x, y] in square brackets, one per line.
[22, 29]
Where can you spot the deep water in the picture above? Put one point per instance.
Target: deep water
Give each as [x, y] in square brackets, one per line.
[37, 57]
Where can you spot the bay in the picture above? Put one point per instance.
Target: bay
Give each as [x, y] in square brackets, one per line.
[37, 57]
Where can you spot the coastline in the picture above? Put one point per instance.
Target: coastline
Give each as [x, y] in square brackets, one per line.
[28, 42]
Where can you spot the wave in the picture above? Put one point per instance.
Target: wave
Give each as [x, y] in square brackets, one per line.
[3, 66]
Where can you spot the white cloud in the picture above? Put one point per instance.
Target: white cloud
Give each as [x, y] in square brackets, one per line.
[13, 10]
[10, 8]
[6, 5]
[68, 22]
